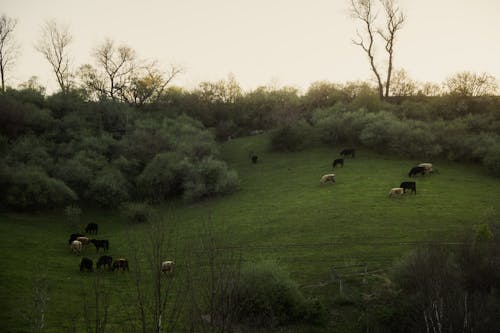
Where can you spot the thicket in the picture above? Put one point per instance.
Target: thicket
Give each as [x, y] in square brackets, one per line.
[266, 296]
[440, 288]
[105, 153]
[63, 149]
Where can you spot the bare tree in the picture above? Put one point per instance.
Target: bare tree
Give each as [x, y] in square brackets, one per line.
[115, 66]
[471, 84]
[402, 84]
[35, 312]
[213, 306]
[96, 305]
[54, 45]
[8, 47]
[365, 11]
[159, 297]
[147, 83]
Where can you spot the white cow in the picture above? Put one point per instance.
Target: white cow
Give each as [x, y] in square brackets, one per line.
[76, 247]
[167, 266]
[327, 178]
[396, 191]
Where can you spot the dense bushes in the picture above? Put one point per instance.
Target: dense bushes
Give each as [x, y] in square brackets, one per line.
[292, 137]
[456, 289]
[104, 154]
[29, 188]
[467, 138]
[267, 296]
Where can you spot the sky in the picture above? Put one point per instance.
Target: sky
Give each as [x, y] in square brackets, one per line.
[261, 42]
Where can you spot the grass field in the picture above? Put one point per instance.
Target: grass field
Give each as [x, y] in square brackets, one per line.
[281, 212]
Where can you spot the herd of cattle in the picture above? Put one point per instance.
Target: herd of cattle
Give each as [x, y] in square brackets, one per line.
[78, 241]
[421, 169]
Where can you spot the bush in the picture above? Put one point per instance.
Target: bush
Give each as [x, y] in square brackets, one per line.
[492, 159]
[267, 296]
[460, 284]
[137, 212]
[208, 178]
[292, 137]
[30, 189]
[163, 176]
[109, 188]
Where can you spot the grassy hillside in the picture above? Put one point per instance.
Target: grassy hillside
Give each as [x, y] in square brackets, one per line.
[281, 212]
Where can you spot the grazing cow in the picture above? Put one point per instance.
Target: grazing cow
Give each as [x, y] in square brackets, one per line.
[120, 264]
[396, 191]
[409, 186]
[416, 170]
[427, 167]
[74, 237]
[254, 159]
[86, 264]
[327, 178]
[349, 151]
[104, 243]
[91, 228]
[167, 266]
[84, 240]
[338, 161]
[76, 247]
[104, 261]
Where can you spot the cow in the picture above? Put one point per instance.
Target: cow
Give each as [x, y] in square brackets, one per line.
[91, 228]
[86, 264]
[104, 243]
[337, 162]
[327, 178]
[427, 167]
[104, 261]
[416, 170]
[84, 240]
[120, 264]
[348, 151]
[167, 266]
[74, 237]
[76, 247]
[396, 191]
[409, 186]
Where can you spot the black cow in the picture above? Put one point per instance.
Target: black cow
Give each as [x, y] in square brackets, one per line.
[254, 159]
[104, 243]
[348, 151]
[104, 261]
[91, 228]
[338, 161]
[86, 264]
[73, 237]
[120, 264]
[416, 170]
[409, 186]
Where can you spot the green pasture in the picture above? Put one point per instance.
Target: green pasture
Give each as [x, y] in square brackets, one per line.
[281, 212]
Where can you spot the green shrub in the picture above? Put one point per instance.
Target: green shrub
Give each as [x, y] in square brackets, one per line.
[30, 188]
[137, 212]
[109, 188]
[267, 296]
[208, 178]
[291, 137]
[163, 176]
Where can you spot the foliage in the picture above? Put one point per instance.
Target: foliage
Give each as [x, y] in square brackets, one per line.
[292, 137]
[267, 296]
[207, 178]
[137, 212]
[439, 286]
[31, 189]
[109, 188]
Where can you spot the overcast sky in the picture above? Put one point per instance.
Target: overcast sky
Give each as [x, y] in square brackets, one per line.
[262, 42]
